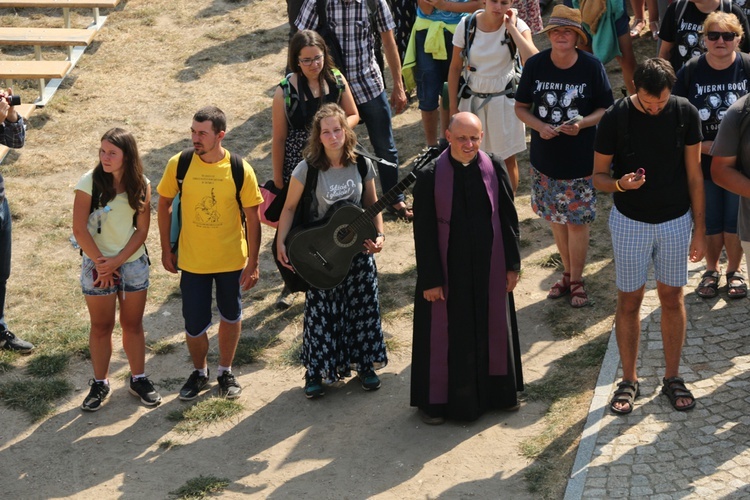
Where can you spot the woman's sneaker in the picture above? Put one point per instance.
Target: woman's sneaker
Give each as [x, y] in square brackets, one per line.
[144, 389]
[97, 394]
[313, 387]
[369, 380]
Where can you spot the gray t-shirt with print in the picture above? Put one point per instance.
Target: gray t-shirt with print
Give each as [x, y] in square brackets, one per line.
[727, 143]
[334, 185]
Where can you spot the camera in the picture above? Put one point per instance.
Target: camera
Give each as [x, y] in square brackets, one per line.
[13, 100]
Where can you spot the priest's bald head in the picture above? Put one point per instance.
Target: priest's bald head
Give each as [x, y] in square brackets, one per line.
[464, 135]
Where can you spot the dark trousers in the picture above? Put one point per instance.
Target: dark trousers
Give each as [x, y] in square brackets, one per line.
[5, 240]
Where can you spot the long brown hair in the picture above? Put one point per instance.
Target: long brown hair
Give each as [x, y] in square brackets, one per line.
[132, 177]
[310, 38]
[315, 154]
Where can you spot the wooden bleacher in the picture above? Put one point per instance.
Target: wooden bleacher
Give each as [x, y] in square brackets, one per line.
[76, 40]
[24, 110]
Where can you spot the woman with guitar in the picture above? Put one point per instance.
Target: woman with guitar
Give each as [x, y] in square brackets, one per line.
[342, 324]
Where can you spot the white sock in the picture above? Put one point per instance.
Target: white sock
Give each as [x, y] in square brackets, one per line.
[105, 381]
[223, 369]
[202, 372]
[134, 378]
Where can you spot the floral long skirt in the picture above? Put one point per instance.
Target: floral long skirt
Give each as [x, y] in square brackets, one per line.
[342, 329]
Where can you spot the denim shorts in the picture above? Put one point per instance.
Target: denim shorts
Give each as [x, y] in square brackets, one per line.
[431, 73]
[196, 299]
[722, 208]
[636, 244]
[133, 277]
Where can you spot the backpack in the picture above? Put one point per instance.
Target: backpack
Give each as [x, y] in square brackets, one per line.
[186, 157]
[622, 115]
[334, 46]
[469, 34]
[292, 99]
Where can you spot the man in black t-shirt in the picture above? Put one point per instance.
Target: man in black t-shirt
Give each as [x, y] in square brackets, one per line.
[652, 221]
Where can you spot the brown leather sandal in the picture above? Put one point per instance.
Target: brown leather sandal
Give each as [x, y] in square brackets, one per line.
[560, 288]
[577, 290]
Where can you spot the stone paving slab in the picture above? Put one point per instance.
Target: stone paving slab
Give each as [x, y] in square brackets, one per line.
[659, 453]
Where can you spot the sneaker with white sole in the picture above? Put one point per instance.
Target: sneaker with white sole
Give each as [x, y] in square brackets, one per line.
[194, 385]
[10, 342]
[97, 394]
[228, 386]
[144, 389]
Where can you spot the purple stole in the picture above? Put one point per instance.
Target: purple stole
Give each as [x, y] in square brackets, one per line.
[497, 307]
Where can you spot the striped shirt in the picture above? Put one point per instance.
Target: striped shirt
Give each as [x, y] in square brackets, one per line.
[350, 22]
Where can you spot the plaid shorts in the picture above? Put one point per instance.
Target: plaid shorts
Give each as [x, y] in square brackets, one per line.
[636, 244]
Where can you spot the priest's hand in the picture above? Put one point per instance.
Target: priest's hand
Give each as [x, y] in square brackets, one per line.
[511, 280]
[434, 294]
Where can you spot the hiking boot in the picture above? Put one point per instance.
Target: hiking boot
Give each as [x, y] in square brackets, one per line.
[369, 380]
[285, 300]
[144, 389]
[10, 342]
[313, 387]
[194, 385]
[228, 386]
[98, 393]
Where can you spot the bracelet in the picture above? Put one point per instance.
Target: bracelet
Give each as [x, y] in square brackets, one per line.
[619, 188]
[380, 234]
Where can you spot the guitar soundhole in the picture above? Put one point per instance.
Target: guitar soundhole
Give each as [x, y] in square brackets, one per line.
[344, 236]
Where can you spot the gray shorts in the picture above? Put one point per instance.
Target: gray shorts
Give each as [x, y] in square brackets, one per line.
[133, 277]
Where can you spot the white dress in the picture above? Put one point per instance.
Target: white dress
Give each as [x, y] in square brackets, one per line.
[504, 133]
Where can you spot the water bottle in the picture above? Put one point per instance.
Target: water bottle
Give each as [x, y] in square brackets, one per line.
[97, 218]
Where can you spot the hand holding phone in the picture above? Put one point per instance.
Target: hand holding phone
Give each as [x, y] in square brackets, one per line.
[639, 174]
[572, 121]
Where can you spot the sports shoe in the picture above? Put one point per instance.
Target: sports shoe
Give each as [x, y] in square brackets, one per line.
[285, 300]
[313, 387]
[10, 342]
[228, 386]
[369, 380]
[98, 393]
[144, 389]
[194, 385]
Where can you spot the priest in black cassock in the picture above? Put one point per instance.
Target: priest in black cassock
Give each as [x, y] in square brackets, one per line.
[465, 353]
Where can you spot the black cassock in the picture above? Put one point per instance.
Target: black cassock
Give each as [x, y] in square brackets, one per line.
[471, 390]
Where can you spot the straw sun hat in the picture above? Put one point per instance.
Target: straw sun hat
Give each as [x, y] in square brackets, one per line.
[565, 17]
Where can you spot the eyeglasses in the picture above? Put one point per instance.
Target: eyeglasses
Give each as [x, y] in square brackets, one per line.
[728, 36]
[310, 60]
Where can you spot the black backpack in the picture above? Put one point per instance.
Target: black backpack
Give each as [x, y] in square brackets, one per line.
[186, 157]
[624, 142]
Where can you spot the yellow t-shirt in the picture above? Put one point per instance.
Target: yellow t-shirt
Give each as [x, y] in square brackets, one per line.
[117, 227]
[211, 239]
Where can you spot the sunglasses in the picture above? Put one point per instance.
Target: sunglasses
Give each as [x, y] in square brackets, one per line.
[728, 36]
[308, 62]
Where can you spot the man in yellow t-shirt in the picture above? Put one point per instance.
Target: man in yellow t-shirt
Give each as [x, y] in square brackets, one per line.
[213, 248]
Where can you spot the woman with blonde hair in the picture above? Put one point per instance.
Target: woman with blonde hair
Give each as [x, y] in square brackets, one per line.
[342, 328]
[712, 82]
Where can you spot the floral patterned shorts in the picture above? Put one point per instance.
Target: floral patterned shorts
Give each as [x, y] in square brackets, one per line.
[563, 201]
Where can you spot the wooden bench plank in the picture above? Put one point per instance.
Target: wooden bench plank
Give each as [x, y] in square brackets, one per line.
[14, 70]
[46, 36]
[68, 4]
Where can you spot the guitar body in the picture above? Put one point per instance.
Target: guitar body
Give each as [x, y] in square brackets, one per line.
[322, 254]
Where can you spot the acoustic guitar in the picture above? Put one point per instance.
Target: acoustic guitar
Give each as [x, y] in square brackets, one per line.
[321, 253]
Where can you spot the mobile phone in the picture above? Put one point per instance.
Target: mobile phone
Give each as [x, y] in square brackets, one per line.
[573, 120]
[639, 174]
[95, 276]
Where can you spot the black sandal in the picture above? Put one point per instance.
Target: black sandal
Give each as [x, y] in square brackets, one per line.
[674, 388]
[708, 288]
[626, 392]
[736, 287]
